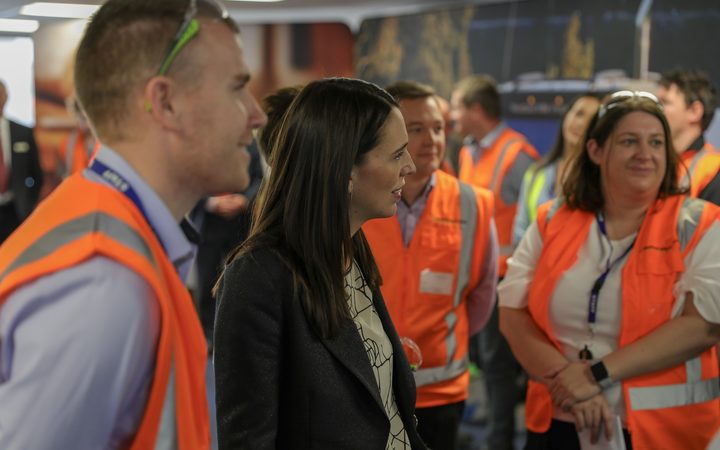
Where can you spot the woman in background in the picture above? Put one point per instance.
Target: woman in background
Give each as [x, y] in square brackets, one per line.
[612, 302]
[305, 353]
[543, 179]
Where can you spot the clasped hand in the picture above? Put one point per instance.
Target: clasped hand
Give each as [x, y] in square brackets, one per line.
[572, 384]
[594, 414]
[574, 389]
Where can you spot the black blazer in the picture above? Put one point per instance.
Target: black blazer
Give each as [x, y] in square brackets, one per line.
[278, 385]
[26, 176]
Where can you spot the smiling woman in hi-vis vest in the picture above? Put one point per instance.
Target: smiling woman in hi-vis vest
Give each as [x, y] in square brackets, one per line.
[611, 302]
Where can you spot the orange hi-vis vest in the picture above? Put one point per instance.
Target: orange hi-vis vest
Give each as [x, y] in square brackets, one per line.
[74, 155]
[700, 167]
[489, 172]
[426, 285]
[82, 219]
[675, 408]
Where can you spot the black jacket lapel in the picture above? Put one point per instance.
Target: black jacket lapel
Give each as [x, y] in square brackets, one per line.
[350, 351]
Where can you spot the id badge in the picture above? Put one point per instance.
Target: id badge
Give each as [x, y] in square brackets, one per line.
[436, 282]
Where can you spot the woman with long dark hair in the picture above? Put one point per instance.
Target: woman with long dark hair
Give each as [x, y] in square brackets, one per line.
[542, 180]
[305, 353]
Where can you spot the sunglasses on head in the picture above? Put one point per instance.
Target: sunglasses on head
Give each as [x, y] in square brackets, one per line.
[619, 97]
[189, 28]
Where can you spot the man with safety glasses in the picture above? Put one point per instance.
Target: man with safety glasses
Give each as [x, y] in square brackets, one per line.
[100, 344]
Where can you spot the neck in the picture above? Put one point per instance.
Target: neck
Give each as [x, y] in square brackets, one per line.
[414, 187]
[684, 139]
[623, 217]
[178, 197]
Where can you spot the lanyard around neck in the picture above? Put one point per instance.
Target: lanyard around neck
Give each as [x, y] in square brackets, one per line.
[123, 186]
[600, 281]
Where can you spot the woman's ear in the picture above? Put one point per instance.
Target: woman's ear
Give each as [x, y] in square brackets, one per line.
[350, 183]
[594, 151]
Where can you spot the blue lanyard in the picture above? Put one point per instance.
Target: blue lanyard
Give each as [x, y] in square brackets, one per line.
[600, 281]
[122, 185]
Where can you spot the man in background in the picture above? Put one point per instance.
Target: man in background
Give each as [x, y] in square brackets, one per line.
[689, 100]
[438, 260]
[494, 157]
[21, 176]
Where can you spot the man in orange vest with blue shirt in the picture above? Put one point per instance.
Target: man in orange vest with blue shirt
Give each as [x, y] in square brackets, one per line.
[437, 257]
[689, 100]
[101, 346]
[494, 157]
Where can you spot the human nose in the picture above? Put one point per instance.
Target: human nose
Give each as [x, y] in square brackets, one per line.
[645, 150]
[257, 116]
[428, 137]
[408, 167]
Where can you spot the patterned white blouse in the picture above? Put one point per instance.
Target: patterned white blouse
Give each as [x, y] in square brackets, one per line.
[379, 351]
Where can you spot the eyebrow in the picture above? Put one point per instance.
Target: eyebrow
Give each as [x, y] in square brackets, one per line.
[402, 147]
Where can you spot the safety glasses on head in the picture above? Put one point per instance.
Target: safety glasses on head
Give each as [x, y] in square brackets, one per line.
[189, 28]
[620, 97]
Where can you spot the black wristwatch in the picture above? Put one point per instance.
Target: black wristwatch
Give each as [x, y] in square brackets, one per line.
[600, 374]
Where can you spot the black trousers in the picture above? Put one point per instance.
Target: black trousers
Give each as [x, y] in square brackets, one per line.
[438, 425]
[561, 436]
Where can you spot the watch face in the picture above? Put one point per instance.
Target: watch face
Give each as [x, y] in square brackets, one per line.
[599, 372]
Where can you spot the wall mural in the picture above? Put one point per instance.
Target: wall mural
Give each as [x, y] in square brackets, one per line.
[542, 52]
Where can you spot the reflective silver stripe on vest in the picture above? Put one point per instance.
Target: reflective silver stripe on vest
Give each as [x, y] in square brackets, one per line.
[670, 396]
[554, 207]
[685, 183]
[498, 164]
[688, 220]
[438, 374]
[693, 367]
[468, 225]
[506, 250]
[167, 436]
[74, 229]
[450, 339]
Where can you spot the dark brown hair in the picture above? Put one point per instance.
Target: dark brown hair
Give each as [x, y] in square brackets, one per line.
[481, 89]
[410, 90]
[582, 187]
[122, 48]
[275, 106]
[695, 86]
[303, 208]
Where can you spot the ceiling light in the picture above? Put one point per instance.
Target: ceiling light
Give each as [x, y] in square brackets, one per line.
[64, 10]
[18, 26]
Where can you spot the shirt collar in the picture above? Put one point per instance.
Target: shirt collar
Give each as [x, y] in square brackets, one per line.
[488, 140]
[179, 249]
[422, 199]
[697, 144]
